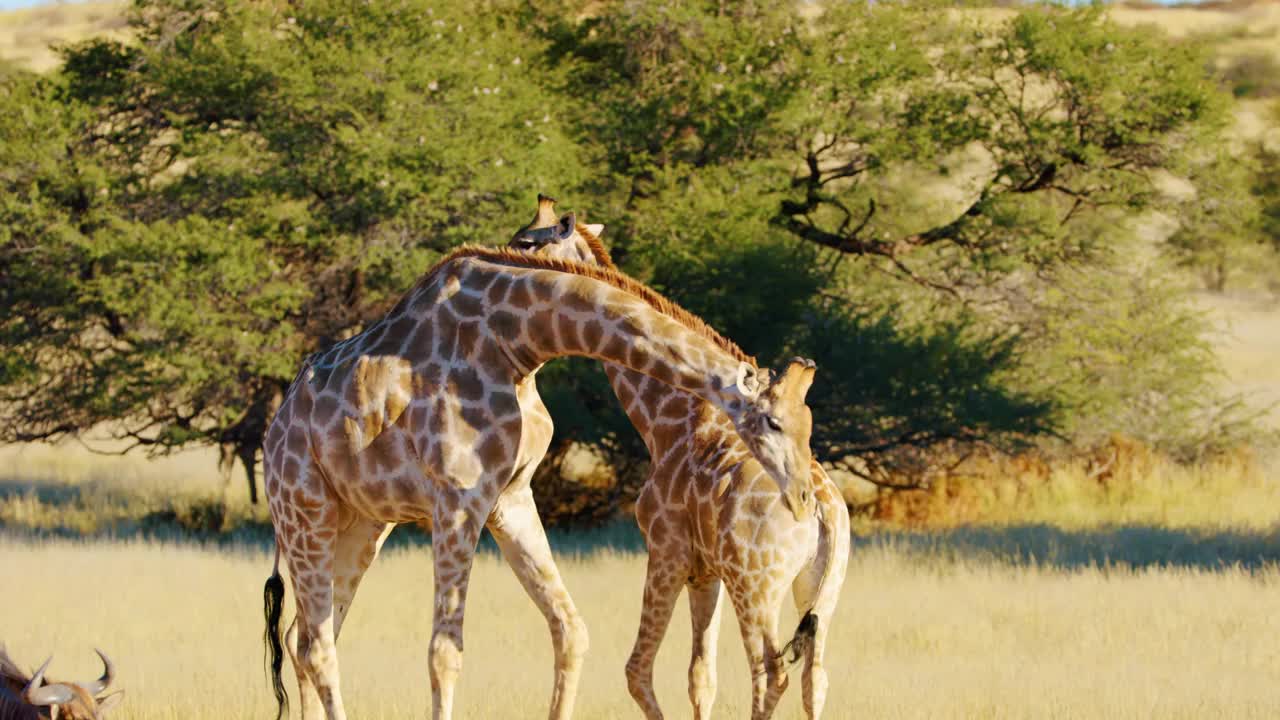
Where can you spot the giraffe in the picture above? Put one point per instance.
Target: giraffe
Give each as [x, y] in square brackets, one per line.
[712, 518]
[431, 413]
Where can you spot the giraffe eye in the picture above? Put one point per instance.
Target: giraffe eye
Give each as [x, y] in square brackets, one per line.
[773, 423]
[523, 244]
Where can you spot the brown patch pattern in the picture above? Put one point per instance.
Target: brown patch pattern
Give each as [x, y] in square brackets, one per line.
[609, 275]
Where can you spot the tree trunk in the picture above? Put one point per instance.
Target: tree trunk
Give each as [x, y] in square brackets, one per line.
[247, 454]
[249, 459]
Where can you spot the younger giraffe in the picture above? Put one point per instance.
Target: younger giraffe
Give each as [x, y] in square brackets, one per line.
[712, 517]
[432, 413]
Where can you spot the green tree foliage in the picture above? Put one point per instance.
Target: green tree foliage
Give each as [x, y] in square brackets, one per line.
[1266, 188]
[248, 184]
[967, 167]
[933, 203]
[1060, 113]
[1222, 224]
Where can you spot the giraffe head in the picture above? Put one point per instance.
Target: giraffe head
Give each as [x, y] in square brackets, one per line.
[777, 425]
[563, 239]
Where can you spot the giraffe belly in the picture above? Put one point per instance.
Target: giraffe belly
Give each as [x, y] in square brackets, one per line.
[384, 481]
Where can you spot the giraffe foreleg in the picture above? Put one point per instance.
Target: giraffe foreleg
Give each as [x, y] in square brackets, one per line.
[704, 609]
[662, 585]
[515, 525]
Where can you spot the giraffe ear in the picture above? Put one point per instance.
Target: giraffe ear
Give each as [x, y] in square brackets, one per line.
[595, 229]
[749, 381]
[568, 223]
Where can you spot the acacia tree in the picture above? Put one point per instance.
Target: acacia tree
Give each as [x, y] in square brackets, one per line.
[1061, 114]
[248, 183]
[1222, 222]
[931, 203]
[920, 181]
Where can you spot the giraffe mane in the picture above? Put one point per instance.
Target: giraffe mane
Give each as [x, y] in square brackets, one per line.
[598, 250]
[608, 274]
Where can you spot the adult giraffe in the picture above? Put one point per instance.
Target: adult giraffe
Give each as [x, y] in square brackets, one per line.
[711, 518]
[431, 413]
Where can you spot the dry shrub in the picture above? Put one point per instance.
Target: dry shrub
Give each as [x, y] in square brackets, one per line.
[1119, 481]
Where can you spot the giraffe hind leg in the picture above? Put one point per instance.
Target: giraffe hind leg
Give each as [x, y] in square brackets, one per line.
[308, 699]
[355, 550]
[814, 680]
[309, 549]
[810, 639]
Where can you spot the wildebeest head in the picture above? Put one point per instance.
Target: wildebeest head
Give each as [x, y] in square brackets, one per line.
[24, 697]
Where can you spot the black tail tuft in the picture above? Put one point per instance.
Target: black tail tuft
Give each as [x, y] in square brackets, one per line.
[802, 641]
[273, 602]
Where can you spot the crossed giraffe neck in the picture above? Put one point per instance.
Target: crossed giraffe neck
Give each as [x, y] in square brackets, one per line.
[713, 520]
[428, 414]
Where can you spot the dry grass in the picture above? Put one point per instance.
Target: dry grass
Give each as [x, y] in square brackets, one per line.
[917, 636]
[1090, 606]
[28, 36]
[65, 488]
[1122, 484]
[1247, 340]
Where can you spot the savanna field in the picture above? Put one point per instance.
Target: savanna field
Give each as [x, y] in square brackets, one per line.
[929, 633]
[1124, 582]
[1156, 597]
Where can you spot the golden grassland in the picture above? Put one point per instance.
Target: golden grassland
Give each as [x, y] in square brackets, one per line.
[1152, 594]
[28, 36]
[917, 635]
[1123, 484]
[65, 490]
[1247, 341]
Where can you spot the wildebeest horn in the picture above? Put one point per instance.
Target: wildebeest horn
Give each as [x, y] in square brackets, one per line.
[55, 694]
[39, 676]
[100, 685]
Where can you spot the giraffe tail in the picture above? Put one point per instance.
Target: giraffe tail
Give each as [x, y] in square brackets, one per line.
[802, 642]
[273, 606]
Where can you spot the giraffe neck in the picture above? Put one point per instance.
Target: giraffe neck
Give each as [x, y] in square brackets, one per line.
[663, 415]
[536, 314]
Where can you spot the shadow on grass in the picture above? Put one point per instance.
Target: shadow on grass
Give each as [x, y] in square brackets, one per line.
[46, 493]
[205, 521]
[1136, 546]
[201, 522]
